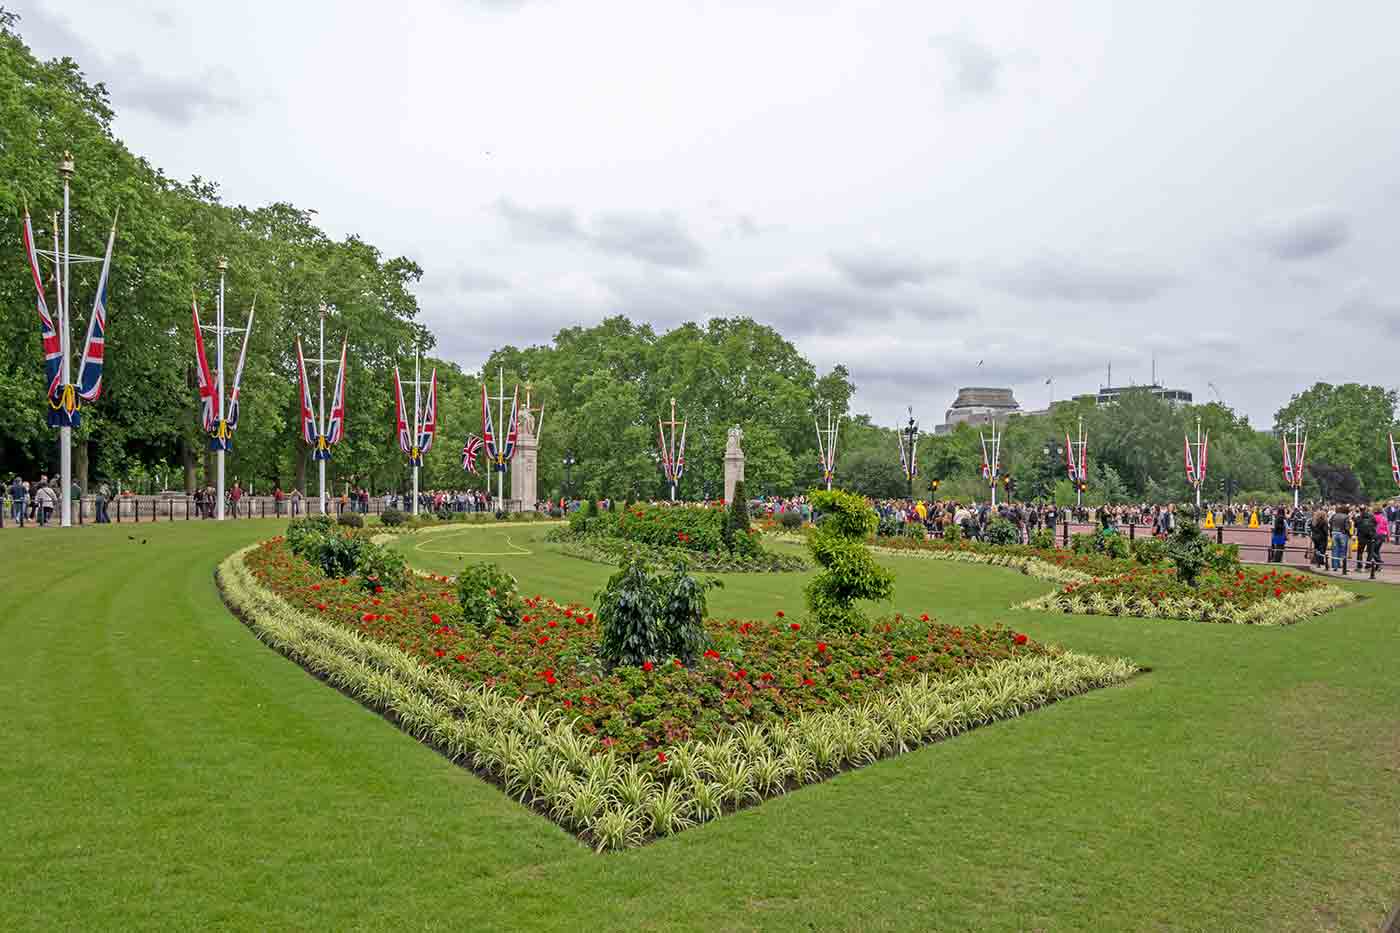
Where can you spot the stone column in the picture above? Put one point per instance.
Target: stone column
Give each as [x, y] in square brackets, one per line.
[733, 462]
[524, 467]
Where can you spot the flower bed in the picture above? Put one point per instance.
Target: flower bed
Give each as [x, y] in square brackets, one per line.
[1249, 597]
[1089, 565]
[615, 551]
[623, 756]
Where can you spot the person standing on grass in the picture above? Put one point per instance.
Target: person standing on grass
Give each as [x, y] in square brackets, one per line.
[18, 493]
[44, 502]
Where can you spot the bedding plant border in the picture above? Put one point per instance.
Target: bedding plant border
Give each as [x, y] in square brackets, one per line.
[539, 758]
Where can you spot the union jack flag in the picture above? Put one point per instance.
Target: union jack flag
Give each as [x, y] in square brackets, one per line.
[90, 372]
[201, 370]
[405, 432]
[231, 416]
[470, 451]
[680, 455]
[512, 433]
[335, 425]
[427, 429]
[309, 431]
[48, 333]
[488, 429]
[1394, 460]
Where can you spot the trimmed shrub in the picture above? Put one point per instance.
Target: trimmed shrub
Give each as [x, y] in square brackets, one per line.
[391, 517]
[629, 613]
[301, 531]
[1189, 550]
[1114, 545]
[1001, 532]
[591, 508]
[338, 555]
[790, 520]
[952, 532]
[487, 596]
[1149, 550]
[380, 566]
[1042, 538]
[350, 520]
[849, 571]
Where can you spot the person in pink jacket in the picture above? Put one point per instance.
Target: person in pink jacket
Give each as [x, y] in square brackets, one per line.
[1382, 535]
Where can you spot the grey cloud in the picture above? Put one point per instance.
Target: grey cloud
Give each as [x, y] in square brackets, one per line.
[473, 280]
[976, 69]
[542, 223]
[176, 100]
[885, 270]
[1064, 278]
[655, 238]
[1314, 233]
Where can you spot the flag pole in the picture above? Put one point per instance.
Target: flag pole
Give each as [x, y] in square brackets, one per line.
[500, 441]
[219, 350]
[417, 388]
[321, 425]
[65, 433]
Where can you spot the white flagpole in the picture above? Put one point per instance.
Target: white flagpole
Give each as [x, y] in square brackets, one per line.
[65, 433]
[321, 419]
[501, 438]
[417, 378]
[1199, 477]
[219, 338]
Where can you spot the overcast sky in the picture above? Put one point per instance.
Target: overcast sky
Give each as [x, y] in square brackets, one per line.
[908, 188]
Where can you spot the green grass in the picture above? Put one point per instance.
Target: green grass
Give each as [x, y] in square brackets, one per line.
[162, 768]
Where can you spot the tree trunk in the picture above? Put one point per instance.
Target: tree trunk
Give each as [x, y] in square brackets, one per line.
[80, 464]
[208, 468]
[301, 468]
[187, 459]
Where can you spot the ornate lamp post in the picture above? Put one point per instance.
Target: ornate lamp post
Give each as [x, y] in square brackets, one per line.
[569, 462]
[908, 449]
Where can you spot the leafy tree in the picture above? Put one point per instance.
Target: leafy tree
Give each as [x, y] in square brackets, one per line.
[849, 572]
[1346, 425]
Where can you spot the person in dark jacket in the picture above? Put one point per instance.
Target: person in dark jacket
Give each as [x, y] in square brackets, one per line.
[1340, 526]
[1319, 538]
[1365, 537]
[1279, 540]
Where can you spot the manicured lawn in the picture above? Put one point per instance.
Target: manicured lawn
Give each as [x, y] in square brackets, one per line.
[162, 768]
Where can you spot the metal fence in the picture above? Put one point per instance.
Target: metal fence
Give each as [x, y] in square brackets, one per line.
[138, 509]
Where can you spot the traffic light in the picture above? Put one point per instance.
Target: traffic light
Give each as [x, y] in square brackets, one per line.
[1083, 487]
[933, 486]
[1007, 481]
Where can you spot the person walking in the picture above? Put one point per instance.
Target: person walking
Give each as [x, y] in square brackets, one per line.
[1382, 535]
[44, 501]
[1319, 532]
[1279, 540]
[235, 496]
[1340, 525]
[18, 493]
[1365, 536]
[100, 504]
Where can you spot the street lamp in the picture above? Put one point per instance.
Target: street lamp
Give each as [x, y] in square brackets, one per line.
[569, 462]
[909, 444]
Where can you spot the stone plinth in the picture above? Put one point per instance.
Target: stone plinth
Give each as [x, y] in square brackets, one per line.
[733, 462]
[524, 475]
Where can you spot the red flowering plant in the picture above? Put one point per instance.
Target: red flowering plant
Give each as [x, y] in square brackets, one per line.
[753, 671]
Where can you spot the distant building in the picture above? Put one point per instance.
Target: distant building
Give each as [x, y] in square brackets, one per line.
[1109, 394]
[979, 405]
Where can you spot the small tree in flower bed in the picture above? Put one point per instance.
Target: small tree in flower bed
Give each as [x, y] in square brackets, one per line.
[849, 571]
[1189, 550]
[648, 618]
[487, 596]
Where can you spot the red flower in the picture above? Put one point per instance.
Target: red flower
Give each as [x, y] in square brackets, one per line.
[1278, 591]
[367, 617]
[526, 619]
[767, 676]
[821, 647]
[568, 704]
[677, 662]
[711, 653]
[794, 626]
[661, 757]
[807, 681]
[913, 658]
[321, 606]
[437, 619]
[460, 658]
[379, 589]
[581, 620]
[924, 617]
[439, 652]
[1021, 638]
[544, 639]
[316, 587]
[553, 624]
[646, 666]
[780, 613]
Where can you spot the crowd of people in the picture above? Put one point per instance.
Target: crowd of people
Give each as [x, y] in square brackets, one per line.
[37, 501]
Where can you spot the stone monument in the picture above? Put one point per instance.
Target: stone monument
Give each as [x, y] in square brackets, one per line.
[524, 469]
[733, 462]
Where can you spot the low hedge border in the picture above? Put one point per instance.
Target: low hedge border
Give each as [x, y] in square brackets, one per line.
[615, 551]
[1031, 566]
[539, 758]
[1286, 610]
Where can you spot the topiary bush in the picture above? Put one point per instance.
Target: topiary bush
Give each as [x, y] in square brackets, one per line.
[683, 613]
[849, 572]
[380, 566]
[1189, 550]
[350, 520]
[737, 519]
[1149, 550]
[301, 531]
[952, 532]
[1081, 543]
[488, 596]
[338, 555]
[391, 517]
[1000, 531]
[1042, 538]
[1114, 545]
[886, 526]
[629, 614]
[790, 520]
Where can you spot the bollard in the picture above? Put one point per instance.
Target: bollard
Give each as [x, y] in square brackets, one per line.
[1132, 531]
[1219, 535]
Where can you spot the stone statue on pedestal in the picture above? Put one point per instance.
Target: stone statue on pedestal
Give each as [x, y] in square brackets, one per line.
[733, 462]
[524, 467]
